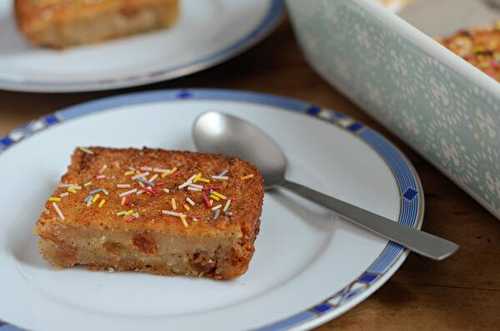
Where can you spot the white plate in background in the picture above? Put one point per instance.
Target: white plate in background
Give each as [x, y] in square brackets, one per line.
[207, 33]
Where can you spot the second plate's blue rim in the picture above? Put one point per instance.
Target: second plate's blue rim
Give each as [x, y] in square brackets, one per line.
[410, 188]
[268, 23]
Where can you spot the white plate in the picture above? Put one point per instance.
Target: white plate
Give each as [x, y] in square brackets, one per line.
[309, 267]
[207, 33]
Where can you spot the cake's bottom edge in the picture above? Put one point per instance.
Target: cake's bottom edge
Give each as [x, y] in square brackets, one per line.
[218, 259]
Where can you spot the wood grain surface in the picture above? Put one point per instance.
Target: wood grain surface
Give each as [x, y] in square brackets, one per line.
[461, 293]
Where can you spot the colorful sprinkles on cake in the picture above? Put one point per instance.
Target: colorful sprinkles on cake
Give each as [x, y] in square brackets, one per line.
[96, 197]
[71, 188]
[58, 211]
[153, 178]
[227, 205]
[141, 176]
[86, 150]
[221, 176]
[75, 186]
[171, 172]
[206, 201]
[184, 221]
[124, 194]
[187, 183]
[104, 167]
[126, 213]
[202, 192]
[171, 213]
[196, 186]
[218, 195]
[199, 178]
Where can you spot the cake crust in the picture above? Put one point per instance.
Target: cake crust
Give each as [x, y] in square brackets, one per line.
[131, 209]
[61, 23]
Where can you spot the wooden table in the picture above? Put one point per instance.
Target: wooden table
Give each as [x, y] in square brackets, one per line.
[462, 293]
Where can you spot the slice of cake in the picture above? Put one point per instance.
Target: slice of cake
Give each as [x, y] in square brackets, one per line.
[156, 211]
[62, 23]
[480, 47]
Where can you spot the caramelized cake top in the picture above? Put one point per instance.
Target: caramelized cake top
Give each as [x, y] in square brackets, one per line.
[152, 189]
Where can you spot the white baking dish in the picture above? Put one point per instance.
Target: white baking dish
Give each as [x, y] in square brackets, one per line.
[436, 102]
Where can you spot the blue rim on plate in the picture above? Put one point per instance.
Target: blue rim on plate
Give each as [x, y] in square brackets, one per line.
[410, 188]
[267, 25]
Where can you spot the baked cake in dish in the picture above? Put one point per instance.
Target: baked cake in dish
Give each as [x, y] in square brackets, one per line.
[155, 211]
[395, 5]
[62, 23]
[480, 47]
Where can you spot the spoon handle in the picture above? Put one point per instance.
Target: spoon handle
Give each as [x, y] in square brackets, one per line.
[417, 241]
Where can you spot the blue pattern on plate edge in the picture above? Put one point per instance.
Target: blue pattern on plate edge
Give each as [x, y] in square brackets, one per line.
[6, 327]
[409, 187]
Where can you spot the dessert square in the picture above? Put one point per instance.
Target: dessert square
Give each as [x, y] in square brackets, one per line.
[62, 23]
[155, 211]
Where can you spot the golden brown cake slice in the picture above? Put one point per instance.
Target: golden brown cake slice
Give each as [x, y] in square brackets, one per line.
[480, 47]
[156, 211]
[62, 23]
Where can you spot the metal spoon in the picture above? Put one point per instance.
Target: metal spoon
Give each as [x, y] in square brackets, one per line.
[225, 134]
